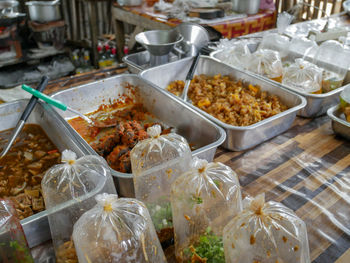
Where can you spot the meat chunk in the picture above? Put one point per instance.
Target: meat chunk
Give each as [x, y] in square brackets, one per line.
[119, 159]
[131, 133]
[106, 145]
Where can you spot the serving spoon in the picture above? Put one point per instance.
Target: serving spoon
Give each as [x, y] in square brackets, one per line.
[27, 111]
[60, 105]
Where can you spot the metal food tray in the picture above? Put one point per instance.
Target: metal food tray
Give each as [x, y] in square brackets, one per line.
[36, 227]
[317, 104]
[167, 109]
[339, 125]
[238, 138]
[140, 61]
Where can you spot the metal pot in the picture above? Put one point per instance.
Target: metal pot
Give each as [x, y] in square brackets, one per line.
[44, 11]
[249, 7]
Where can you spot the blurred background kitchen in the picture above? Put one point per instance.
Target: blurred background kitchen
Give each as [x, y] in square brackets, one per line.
[67, 37]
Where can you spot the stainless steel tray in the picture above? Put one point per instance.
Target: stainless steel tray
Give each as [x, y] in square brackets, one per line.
[339, 125]
[36, 227]
[238, 138]
[317, 104]
[139, 61]
[172, 111]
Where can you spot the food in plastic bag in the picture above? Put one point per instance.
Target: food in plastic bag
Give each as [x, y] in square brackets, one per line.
[266, 233]
[267, 63]
[203, 201]
[238, 55]
[116, 231]
[69, 190]
[13, 244]
[345, 103]
[156, 162]
[303, 76]
[332, 57]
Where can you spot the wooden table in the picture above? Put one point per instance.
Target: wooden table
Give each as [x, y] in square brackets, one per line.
[307, 168]
[144, 17]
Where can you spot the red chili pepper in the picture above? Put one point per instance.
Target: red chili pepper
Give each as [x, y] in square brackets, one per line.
[53, 151]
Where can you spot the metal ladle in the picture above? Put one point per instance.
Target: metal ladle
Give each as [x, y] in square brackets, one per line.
[27, 111]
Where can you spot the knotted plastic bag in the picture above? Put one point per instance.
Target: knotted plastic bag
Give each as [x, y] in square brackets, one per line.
[266, 233]
[335, 60]
[13, 244]
[237, 55]
[303, 76]
[117, 231]
[156, 162]
[203, 201]
[267, 63]
[69, 190]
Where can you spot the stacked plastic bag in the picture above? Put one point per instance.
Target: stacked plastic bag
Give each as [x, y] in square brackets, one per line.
[117, 231]
[303, 76]
[69, 190]
[156, 162]
[267, 233]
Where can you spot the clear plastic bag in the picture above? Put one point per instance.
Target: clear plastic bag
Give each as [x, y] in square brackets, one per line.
[335, 60]
[302, 47]
[237, 55]
[156, 162]
[13, 244]
[203, 201]
[267, 233]
[303, 76]
[69, 190]
[276, 42]
[117, 231]
[267, 63]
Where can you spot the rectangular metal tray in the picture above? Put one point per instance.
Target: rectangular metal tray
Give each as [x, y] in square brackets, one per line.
[172, 111]
[339, 125]
[238, 138]
[140, 61]
[36, 227]
[317, 104]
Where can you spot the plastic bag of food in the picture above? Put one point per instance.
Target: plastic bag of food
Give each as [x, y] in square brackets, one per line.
[116, 231]
[156, 162]
[345, 103]
[13, 244]
[266, 232]
[203, 201]
[69, 190]
[303, 76]
[275, 42]
[335, 60]
[238, 55]
[267, 63]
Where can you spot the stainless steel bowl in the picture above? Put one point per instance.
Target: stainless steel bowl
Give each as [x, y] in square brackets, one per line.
[195, 37]
[159, 42]
[249, 7]
[44, 11]
[8, 4]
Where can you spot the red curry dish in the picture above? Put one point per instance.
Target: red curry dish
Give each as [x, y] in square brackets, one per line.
[115, 143]
[23, 167]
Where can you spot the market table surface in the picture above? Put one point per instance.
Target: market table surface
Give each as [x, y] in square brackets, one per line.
[144, 17]
[307, 168]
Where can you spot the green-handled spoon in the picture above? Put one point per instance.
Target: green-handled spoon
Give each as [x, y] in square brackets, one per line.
[60, 105]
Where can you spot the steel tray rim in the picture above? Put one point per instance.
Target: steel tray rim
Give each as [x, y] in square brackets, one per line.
[330, 113]
[304, 94]
[219, 140]
[301, 104]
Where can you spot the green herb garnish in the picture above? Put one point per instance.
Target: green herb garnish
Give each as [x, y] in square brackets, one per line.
[162, 216]
[209, 247]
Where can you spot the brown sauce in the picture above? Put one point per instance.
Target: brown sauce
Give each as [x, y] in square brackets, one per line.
[23, 167]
